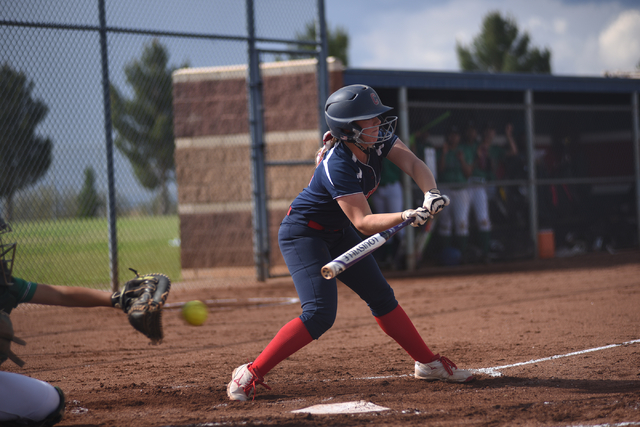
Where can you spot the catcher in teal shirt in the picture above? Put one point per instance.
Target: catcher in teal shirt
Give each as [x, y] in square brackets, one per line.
[15, 291]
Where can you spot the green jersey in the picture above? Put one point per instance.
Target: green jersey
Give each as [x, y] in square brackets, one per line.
[390, 172]
[453, 168]
[21, 291]
[487, 162]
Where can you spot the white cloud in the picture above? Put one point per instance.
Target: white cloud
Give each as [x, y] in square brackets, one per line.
[423, 39]
[535, 22]
[414, 34]
[620, 42]
[560, 26]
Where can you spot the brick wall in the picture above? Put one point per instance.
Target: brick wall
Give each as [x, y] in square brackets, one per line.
[213, 166]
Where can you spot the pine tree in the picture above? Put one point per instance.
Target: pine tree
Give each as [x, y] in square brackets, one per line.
[89, 201]
[337, 42]
[24, 156]
[500, 47]
[144, 124]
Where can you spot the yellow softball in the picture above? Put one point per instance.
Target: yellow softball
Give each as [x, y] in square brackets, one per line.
[195, 312]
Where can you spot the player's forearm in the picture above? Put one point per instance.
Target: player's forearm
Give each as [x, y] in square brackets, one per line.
[423, 176]
[70, 296]
[513, 148]
[467, 170]
[83, 297]
[375, 223]
[410, 164]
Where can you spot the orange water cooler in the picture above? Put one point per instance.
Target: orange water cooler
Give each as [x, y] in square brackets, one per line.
[546, 243]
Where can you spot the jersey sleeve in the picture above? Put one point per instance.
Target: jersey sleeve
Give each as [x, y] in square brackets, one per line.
[387, 146]
[21, 291]
[341, 179]
[24, 290]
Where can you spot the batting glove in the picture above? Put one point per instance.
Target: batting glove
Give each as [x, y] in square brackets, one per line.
[421, 216]
[434, 202]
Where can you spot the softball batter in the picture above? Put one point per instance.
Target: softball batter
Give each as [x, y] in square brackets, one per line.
[320, 226]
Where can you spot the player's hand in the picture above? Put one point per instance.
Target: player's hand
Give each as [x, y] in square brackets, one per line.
[434, 202]
[421, 216]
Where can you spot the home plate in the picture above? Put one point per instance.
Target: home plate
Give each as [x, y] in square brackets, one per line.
[343, 408]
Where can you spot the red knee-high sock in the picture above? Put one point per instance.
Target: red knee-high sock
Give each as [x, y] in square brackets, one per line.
[289, 339]
[399, 327]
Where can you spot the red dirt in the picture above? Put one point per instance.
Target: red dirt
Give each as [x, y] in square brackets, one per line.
[479, 317]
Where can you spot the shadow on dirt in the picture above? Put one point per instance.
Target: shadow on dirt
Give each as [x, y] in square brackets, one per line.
[587, 386]
[589, 260]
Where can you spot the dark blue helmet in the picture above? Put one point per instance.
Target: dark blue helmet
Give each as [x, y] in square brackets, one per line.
[352, 103]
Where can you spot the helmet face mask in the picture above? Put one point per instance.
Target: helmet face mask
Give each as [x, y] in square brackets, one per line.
[7, 254]
[382, 132]
[355, 103]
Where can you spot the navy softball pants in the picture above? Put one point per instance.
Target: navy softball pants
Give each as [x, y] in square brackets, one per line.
[306, 250]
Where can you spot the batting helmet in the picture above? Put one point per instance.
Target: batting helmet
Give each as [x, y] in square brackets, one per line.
[352, 103]
[7, 253]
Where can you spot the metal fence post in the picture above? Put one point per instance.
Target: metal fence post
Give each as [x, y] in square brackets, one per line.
[322, 72]
[533, 193]
[407, 183]
[636, 154]
[111, 197]
[254, 92]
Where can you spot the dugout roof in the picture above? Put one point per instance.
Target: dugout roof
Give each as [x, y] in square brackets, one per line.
[489, 81]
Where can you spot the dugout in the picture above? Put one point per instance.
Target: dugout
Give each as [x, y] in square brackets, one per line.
[577, 169]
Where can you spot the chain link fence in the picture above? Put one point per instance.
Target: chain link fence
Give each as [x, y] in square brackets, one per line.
[77, 76]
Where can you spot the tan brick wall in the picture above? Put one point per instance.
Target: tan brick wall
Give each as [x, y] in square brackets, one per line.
[213, 166]
[210, 108]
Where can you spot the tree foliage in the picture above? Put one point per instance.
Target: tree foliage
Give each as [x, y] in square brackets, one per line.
[89, 201]
[144, 123]
[337, 42]
[24, 156]
[500, 47]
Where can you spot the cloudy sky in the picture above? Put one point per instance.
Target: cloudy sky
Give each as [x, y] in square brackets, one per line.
[586, 38]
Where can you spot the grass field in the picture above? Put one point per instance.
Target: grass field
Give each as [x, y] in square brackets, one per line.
[76, 251]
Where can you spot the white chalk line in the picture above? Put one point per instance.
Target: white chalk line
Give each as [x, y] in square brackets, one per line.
[622, 424]
[494, 371]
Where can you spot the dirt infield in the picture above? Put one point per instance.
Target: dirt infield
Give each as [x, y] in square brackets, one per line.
[564, 334]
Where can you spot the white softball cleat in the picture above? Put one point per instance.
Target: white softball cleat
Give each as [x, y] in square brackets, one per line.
[243, 383]
[442, 369]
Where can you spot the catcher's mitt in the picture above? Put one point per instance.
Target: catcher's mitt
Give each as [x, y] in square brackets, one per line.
[142, 299]
[6, 337]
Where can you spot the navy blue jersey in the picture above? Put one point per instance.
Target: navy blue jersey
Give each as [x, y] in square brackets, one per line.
[340, 174]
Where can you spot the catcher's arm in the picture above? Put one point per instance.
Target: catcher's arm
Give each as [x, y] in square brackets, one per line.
[142, 300]
[70, 296]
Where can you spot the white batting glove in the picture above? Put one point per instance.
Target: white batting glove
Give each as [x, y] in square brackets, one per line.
[434, 202]
[421, 216]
